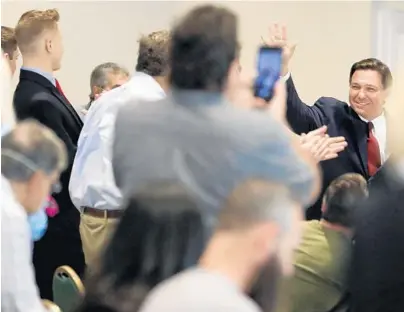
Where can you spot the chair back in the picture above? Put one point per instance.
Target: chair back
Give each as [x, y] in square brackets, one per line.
[50, 306]
[68, 289]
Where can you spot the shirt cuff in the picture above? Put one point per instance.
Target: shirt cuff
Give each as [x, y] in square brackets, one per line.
[286, 77]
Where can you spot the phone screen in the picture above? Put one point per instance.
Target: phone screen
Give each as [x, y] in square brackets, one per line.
[269, 71]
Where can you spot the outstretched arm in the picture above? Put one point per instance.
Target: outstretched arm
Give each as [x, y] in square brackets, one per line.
[302, 118]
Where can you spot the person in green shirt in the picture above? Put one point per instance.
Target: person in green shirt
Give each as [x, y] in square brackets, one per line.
[323, 256]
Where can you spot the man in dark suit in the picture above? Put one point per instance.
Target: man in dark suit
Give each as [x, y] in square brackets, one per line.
[362, 122]
[39, 96]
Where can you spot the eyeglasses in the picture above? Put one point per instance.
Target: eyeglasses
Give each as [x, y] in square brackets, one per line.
[55, 188]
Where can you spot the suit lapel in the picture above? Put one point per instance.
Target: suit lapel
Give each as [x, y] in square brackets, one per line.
[66, 103]
[357, 130]
[39, 79]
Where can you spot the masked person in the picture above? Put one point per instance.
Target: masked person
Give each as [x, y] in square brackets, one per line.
[32, 158]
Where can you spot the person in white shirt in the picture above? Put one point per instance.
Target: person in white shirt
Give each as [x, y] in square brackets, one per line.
[258, 228]
[362, 121]
[32, 158]
[92, 186]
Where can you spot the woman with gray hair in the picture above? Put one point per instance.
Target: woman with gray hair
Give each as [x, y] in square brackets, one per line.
[32, 158]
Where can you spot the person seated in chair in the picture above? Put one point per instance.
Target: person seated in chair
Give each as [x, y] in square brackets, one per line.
[324, 254]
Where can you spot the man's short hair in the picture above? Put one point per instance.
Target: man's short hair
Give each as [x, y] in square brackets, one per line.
[100, 75]
[32, 24]
[375, 65]
[153, 56]
[256, 201]
[31, 147]
[342, 197]
[8, 41]
[204, 45]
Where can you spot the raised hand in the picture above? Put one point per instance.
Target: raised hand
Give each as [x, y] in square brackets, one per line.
[321, 145]
[278, 37]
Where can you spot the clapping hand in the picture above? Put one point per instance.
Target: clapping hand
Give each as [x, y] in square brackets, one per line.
[321, 145]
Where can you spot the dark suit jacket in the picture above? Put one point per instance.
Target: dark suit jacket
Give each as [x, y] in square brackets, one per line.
[341, 120]
[378, 254]
[36, 97]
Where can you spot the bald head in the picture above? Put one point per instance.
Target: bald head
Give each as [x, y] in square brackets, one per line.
[31, 147]
[256, 201]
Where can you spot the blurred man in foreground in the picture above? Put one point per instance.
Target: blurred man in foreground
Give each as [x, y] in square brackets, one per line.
[196, 135]
[259, 226]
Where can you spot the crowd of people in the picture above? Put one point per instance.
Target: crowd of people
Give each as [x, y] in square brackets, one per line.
[176, 189]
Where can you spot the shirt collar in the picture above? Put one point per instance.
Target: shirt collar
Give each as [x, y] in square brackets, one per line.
[150, 79]
[197, 97]
[42, 73]
[377, 121]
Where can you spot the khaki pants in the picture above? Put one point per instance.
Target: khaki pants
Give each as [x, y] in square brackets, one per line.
[95, 233]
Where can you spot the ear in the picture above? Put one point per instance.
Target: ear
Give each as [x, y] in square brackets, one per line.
[48, 45]
[96, 91]
[6, 56]
[235, 66]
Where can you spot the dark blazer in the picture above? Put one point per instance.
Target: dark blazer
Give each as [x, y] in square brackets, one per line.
[341, 120]
[36, 97]
[378, 254]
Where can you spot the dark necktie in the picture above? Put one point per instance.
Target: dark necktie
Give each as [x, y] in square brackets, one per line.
[59, 88]
[374, 159]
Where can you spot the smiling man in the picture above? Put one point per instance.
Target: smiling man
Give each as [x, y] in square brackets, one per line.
[362, 122]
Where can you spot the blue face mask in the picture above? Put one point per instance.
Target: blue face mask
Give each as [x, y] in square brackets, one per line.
[38, 223]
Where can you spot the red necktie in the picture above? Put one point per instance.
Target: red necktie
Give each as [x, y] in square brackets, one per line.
[60, 90]
[374, 160]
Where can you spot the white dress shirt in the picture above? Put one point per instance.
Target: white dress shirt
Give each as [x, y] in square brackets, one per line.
[92, 181]
[19, 292]
[380, 132]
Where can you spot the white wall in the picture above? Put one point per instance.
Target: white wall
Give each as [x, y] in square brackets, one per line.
[331, 36]
[388, 43]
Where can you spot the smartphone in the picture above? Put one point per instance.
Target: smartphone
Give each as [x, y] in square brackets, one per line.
[269, 65]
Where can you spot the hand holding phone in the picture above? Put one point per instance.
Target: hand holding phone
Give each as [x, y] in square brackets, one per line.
[269, 66]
